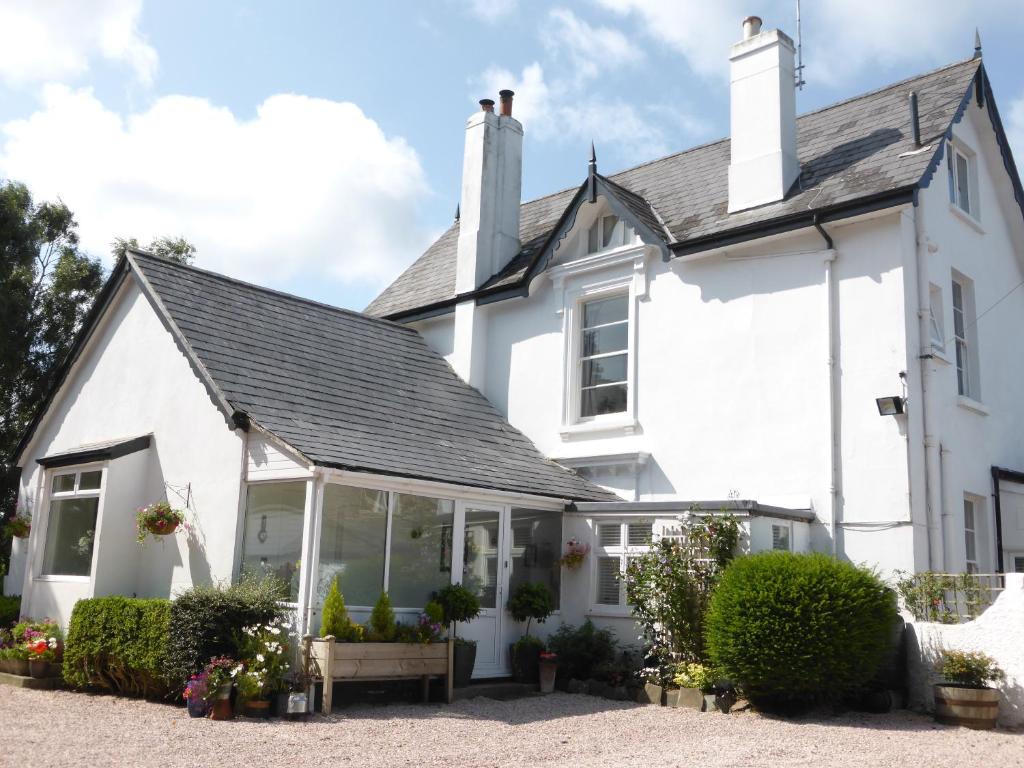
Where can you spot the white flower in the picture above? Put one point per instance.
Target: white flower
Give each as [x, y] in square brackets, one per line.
[52, 642]
[259, 657]
[275, 631]
[235, 671]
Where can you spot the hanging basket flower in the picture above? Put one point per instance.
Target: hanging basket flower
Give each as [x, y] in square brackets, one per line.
[158, 519]
[575, 554]
[19, 527]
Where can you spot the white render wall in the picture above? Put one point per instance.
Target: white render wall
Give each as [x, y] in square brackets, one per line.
[998, 632]
[133, 380]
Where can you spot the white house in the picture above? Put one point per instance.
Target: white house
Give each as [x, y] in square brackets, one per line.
[720, 328]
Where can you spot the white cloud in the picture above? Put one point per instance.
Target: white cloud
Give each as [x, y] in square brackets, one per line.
[1015, 130]
[590, 49]
[308, 185]
[841, 38]
[491, 10]
[44, 40]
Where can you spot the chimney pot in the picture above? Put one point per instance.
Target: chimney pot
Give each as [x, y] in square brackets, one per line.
[487, 105]
[506, 102]
[751, 26]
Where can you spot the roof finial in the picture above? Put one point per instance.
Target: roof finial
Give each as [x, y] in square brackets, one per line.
[457, 214]
[592, 175]
[977, 43]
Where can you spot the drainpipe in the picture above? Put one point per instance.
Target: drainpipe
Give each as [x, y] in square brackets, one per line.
[932, 449]
[831, 254]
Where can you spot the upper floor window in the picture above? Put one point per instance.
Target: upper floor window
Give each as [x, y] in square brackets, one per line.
[71, 522]
[966, 338]
[604, 355]
[936, 332]
[960, 167]
[608, 232]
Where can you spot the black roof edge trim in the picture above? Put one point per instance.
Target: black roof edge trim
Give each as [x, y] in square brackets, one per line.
[936, 161]
[1013, 475]
[877, 202]
[107, 292]
[427, 478]
[87, 455]
[1004, 143]
[241, 421]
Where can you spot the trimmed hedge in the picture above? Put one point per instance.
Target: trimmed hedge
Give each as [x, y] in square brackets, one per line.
[119, 644]
[10, 609]
[793, 629]
[206, 620]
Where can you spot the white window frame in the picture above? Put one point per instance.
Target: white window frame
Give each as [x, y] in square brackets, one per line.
[50, 496]
[983, 554]
[965, 343]
[620, 236]
[955, 153]
[581, 358]
[936, 319]
[624, 551]
[788, 528]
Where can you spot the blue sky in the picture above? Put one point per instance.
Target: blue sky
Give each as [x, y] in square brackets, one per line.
[317, 146]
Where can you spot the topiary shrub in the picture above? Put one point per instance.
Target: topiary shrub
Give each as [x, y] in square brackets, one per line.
[531, 600]
[382, 620]
[582, 650]
[793, 629]
[205, 622]
[458, 604]
[119, 644]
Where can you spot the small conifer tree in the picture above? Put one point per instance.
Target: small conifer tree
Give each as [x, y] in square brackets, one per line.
[335, 619]
[382, 620]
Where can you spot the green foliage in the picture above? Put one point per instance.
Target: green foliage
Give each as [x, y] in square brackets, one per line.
[791, 628]
[971, 669]
[205, 622]
[10, 608]
[531, 600]
[458, 604]
[669, 587]
[582, 650]
[119, 644]
[692, 675]
[176, 249]
[938, 597]
[382, 620]
[335, 620]
[434, 612]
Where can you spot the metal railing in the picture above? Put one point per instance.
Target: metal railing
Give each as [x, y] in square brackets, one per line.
[948, 598]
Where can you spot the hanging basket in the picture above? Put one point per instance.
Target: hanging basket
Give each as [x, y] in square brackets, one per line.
[162, 527]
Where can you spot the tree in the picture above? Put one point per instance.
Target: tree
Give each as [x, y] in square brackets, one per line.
[176, 249]
[47, 286]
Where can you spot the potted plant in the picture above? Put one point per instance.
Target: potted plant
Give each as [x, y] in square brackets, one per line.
[459, 604]
[530, 600]
[265, 650]
[694, 681]
[158, 519]
[44, 656]
[195, 695]
[575, 554]
[220, 681]
[19, 526]
[964, 698]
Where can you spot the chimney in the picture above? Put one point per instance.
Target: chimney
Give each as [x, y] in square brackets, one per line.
[763, 164]
[492, 171]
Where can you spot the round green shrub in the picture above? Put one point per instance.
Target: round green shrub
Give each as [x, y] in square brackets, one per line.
[531, 600]
[794, 629]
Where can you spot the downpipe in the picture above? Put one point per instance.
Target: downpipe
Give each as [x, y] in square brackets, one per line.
[835, 492]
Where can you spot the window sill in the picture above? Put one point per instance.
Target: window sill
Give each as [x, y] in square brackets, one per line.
[610, 612]
[64, 579]
[967, 218]
[939, 356]
[972, 405]
[623, 425]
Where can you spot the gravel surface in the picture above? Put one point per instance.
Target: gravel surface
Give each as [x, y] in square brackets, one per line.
[57, 728]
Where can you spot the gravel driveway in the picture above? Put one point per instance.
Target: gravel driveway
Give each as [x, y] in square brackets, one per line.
[57, 728]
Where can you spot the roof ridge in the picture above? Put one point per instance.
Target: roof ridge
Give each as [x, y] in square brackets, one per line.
[272, 291]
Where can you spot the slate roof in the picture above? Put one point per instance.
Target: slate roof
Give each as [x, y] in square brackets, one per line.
[348, 390]
[848, 151]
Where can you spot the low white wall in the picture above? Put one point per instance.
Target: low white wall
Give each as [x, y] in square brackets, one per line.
[999, 632]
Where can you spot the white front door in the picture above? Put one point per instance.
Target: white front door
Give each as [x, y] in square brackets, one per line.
[484, 569]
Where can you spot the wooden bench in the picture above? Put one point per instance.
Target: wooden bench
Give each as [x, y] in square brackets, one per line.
[328, 661]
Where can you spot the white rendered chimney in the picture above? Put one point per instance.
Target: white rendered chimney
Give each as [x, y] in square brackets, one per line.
[763, 164]
[492, 176]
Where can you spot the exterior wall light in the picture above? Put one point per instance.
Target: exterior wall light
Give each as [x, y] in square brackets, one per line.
[889, 406]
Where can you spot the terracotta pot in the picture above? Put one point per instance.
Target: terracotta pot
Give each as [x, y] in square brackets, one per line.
[257, 708]
[548, 671]
[222, 710]
[976, 708]
[162, 526]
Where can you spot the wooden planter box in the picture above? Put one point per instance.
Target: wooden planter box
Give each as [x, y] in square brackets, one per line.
[328, 661]
[976, 708]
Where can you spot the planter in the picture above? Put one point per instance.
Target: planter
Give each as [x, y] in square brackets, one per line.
[162, 527]
[548, 670]
[19, 667]
[525, 663]
[684, 698]
[465, 660]
[298, 704]
[9, 666]
[976, 708]
[43, 669]
[222, 710]
[257, 708]
[197, 707]
[651, 694]
[279, 704]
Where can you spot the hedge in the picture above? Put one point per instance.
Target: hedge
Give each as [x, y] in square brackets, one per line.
[119, 644]
[205, 621]
[797, 629]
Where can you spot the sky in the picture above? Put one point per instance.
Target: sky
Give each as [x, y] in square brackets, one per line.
[316, 146]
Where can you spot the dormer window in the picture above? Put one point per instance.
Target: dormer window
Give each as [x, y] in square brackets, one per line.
[608, 232]
[962, 184]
